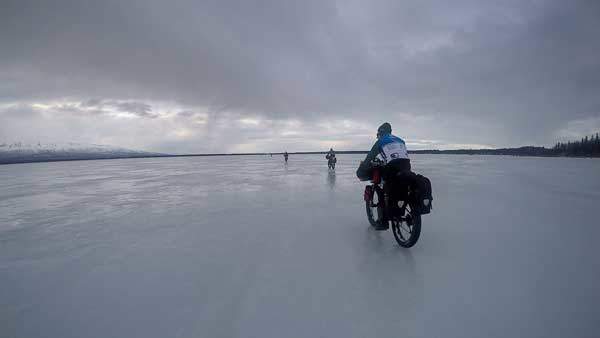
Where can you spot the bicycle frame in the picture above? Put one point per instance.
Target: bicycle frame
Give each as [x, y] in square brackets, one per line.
[377, 187]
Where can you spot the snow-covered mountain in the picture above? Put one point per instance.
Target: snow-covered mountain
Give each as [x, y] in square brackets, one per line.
[19, 152]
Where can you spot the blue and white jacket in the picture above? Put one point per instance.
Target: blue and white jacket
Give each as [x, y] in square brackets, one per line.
[388, 147]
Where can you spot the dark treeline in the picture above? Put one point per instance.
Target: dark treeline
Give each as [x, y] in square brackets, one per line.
[588, 146]
[521, 151]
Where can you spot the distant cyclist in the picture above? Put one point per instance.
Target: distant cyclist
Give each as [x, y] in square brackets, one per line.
[331, 159]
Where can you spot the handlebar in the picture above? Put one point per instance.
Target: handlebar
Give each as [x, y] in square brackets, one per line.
[377, 163]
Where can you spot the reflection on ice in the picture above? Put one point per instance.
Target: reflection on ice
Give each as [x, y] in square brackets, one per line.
[331, 179]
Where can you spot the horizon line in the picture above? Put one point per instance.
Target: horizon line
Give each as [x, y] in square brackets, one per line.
[417, 151]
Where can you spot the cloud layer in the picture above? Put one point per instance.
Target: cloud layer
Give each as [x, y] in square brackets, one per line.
[236, 75]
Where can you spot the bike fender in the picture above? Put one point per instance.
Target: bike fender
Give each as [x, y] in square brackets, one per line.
[368, 195]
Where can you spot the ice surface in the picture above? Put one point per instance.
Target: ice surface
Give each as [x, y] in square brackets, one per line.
[247, 247]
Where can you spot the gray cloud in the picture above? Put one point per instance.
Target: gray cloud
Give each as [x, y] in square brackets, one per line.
[186, 113]
[504, 73]
[137, 108]
[98, 106]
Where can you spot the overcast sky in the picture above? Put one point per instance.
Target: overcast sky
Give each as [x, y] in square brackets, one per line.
[213, 76]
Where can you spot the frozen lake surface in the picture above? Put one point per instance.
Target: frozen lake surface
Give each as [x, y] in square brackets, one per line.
[247, 247]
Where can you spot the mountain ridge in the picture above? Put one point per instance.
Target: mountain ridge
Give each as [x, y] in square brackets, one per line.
[22, 152]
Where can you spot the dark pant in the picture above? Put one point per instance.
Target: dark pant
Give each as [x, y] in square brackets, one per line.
[397, 177]
[394, 167]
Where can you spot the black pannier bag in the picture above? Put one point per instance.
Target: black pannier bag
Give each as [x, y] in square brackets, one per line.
[422, 197]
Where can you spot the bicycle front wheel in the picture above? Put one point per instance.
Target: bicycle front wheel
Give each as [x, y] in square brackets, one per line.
[374, 208]
[407, 229]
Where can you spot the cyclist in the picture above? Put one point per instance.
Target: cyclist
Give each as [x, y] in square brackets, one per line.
[331, 160]
[391, 150]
